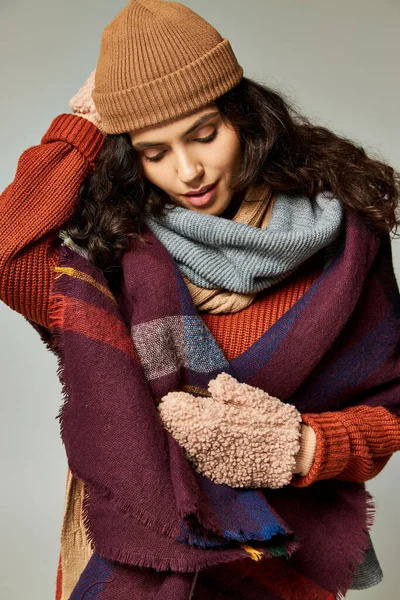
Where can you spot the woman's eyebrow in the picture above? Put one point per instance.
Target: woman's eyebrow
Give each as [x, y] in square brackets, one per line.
[203, 119]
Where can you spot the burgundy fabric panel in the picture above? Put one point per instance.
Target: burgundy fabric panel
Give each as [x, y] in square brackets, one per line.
[145, 506]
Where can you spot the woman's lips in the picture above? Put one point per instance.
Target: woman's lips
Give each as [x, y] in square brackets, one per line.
[202, 199]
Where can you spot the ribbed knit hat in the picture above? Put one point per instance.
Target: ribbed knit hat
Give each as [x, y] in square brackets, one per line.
[158, 61]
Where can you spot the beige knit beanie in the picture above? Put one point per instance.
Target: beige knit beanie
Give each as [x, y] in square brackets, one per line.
[158, 61]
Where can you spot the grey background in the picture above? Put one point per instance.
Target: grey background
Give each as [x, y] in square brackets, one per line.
[337, 60]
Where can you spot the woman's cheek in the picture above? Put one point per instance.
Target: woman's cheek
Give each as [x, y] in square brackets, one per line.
[229, 151]
[153, 172]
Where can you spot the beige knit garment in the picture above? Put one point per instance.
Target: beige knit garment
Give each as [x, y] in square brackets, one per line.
[306, 455]
[255, 210]
[74, 545]
[239, 436]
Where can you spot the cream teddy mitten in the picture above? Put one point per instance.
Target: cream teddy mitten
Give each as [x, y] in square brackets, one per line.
[82, 104]
[240, 436]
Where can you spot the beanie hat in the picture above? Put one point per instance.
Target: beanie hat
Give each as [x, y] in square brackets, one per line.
[158, 61]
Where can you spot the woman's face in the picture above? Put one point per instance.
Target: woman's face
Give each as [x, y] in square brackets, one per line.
[191, 153]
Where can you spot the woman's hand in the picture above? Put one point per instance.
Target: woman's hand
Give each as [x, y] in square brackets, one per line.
[240, 436]
[82, 103]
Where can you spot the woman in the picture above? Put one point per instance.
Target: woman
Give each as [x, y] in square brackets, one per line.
[229, 356]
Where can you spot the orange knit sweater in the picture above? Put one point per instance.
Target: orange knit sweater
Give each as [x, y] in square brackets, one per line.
[353, 444]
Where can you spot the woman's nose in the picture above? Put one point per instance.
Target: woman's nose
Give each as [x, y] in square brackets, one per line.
[188, 168]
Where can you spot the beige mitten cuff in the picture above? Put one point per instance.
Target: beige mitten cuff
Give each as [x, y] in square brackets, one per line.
[306, 455]
[240, 436]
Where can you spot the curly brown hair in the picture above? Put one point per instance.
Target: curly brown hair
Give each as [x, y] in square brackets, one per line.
[281, 148]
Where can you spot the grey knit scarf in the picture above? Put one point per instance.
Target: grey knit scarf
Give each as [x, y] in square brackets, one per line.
[215, 252]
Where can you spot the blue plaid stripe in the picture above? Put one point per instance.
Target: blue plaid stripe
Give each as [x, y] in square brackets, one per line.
[91, 583]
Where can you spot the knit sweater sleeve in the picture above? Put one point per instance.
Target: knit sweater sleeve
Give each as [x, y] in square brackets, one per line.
[353, 444]
[35, 205]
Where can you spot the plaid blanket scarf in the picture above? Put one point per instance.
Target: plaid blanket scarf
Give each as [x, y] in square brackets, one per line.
[161, 530]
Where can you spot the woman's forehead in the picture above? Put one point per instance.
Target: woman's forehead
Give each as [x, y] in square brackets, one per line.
[175, 126]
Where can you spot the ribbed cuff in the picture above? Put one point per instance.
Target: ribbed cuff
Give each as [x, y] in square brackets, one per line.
[332, 448]
[306, 454]
[77, 131]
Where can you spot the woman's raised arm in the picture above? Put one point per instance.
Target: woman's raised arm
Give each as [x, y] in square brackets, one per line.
[35, 205]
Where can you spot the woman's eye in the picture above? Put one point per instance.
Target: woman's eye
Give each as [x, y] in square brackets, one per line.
[205, 140]
[153, 158]
[209, 138]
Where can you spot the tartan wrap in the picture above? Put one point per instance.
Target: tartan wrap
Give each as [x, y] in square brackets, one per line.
[157, 526]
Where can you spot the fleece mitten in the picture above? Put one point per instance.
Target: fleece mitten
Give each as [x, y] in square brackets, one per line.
[240, 436]
[82, 104]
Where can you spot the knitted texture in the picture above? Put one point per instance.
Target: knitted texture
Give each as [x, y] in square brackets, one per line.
[255, 209]
[371, 572]
[238, 420]
[236, 332]
[75, 549]
[214, 252]
[353, 444]
[159, 60]
[42, 196]
[306, 455]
